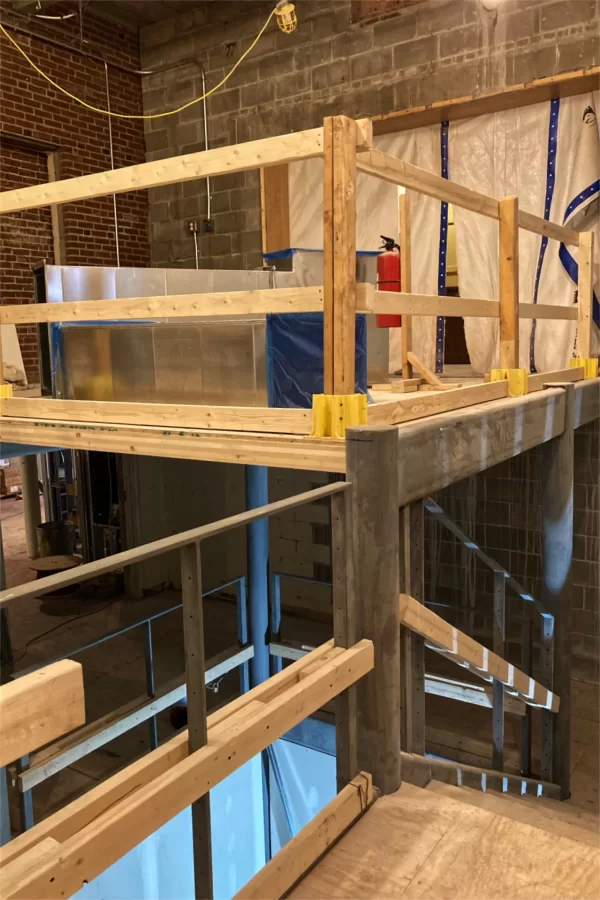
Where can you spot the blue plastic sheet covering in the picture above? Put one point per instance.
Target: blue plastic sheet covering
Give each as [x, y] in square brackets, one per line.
[295, 358]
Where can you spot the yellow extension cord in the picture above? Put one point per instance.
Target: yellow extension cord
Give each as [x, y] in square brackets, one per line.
[115, 115]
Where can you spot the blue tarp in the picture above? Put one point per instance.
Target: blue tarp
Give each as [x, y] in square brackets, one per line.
[295, 358]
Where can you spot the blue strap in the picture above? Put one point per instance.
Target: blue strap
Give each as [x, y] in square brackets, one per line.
[443, 252]
[550, 182]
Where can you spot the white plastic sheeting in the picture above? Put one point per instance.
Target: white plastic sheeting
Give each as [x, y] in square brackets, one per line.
[506, 153]
[162, 867]
[500, 155]
[377, 214]
[578, 168]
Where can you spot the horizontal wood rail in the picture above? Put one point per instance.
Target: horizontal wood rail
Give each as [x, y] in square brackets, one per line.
[421, 405]
[514, 96]
[188, 167]
[223, 303]
[245, 448]
[113, 819]
[294, 860]
[479, 659]
[167, 415]
[370, 300]
[271, 151]
[40, 707]
[398, 171]
[83, 741]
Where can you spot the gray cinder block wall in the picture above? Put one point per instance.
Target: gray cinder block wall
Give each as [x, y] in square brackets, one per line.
[422, 52]
[500, 509]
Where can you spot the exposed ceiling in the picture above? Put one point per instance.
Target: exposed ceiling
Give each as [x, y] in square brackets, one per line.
[132, 13]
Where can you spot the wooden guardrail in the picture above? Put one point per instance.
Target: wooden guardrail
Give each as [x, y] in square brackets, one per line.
[40, 707]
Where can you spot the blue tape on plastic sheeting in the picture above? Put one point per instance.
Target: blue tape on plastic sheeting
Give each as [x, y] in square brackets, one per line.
[295, 358]
[550, 183]
[443, 253]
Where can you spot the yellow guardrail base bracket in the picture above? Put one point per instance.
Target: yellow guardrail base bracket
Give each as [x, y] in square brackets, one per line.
[517, 380]
[333, 413]
[6, 391]
[589, 366]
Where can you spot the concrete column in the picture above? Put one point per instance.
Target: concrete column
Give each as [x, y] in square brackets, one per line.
[372, 467]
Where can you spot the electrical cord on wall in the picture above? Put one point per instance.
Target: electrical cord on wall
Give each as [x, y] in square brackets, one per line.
[170, 112]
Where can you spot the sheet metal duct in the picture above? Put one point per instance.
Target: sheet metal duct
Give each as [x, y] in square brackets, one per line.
[201, 360]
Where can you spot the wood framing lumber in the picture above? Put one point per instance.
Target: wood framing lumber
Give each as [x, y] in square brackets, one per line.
[398, 171]
[269, 151]
[294, 860]
[39, 707]
[463, 443]
[422, 369]
[82, 741]
[547, 311]
[407, 304]
[241, 736]
[16, 874]
[475, 694]
[223, 303]
[537, 225]
[539, 382]
[566, 84]
[481, 660]
[284, 451]
[509, 283]
[275, 208]
[420, 770]
[585, 294]
[339, 251]
[422, 405]
[167, 415]
[587, 401]
[405, 279]
[81, 812]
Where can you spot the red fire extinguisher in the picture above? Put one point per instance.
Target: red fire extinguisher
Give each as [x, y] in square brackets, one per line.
[388, 278]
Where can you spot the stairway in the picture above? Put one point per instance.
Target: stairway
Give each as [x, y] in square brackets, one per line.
[453, 843]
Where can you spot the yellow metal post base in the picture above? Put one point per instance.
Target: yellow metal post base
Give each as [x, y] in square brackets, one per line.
[590, 366]
[6, 391]
[517, 380]
[333, 413]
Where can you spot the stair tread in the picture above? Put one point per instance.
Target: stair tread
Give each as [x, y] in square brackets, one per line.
[548, 815]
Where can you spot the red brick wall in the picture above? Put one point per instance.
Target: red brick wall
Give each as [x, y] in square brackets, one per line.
[32, 108]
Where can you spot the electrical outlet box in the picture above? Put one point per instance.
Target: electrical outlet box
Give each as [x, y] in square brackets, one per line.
[192, 226]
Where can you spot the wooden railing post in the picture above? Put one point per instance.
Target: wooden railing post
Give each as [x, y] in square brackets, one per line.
[509, 282]
[193, 635]
[405, 280]
[339, 254]
[412, 581]
[343, 559]
[557, 559]
[585, 294]
[372, 467]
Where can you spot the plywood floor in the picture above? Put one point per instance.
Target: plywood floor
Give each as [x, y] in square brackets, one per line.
[419, 844]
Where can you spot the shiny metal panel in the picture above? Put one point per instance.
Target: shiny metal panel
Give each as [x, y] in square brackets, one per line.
[211, 361]
[132, 360]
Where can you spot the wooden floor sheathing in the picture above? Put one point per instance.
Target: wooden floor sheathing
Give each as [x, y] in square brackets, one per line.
[428, 843]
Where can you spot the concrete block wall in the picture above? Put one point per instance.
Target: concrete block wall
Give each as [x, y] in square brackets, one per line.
[501, 510]
[419, 53]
